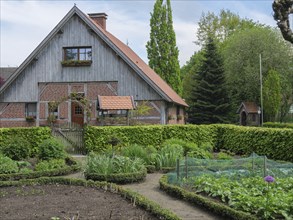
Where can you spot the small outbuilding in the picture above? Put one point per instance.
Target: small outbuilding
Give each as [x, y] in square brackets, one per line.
[114, 110]
[250, 114]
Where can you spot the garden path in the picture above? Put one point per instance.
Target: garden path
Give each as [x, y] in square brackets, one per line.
[150, 188]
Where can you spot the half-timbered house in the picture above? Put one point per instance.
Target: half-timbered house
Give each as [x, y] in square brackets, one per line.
[79, 56]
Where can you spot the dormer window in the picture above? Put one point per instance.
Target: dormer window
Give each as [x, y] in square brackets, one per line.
[77, 56]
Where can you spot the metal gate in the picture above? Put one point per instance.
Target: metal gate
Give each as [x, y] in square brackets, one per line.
[71, 136]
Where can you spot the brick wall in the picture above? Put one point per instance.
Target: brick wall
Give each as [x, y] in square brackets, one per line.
[54, 92]
[13, 110]
[13, 115]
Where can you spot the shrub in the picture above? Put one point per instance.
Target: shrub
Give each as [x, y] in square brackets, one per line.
[96, 137]
[147, 154]
[277, 125]
[200, 153]
[51, 149]
[53, 164]
[34, 135]
[187, 146]
[275, 143]
[224, 156]
[7, 165]
[17, 148]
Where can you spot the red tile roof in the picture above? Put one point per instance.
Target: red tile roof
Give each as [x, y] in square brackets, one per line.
[149, 72]
[116, 102]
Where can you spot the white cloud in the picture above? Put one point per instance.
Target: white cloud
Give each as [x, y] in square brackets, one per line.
[24, 24]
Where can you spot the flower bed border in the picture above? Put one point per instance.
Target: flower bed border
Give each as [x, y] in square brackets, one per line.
[36, 174]
[135, 198]
[121, 178]
[195, 199]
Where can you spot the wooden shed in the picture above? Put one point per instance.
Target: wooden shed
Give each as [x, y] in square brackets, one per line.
[250, 114]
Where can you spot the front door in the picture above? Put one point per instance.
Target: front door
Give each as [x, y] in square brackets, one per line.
[76, 113]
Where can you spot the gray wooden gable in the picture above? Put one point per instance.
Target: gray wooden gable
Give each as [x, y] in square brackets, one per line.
[44, 65]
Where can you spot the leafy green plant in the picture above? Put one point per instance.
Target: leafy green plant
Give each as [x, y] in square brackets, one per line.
[102, 164]
[7, 165]
[250, 194]
[187, 146]
[147, 154]
[17, 148]
[51, 149]
[168, 155]
[47, 165]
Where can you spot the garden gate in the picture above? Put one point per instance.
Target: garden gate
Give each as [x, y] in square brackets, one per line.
[71, 135]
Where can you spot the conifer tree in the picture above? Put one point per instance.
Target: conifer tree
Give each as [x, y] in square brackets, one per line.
[161, 48]
[209, 99]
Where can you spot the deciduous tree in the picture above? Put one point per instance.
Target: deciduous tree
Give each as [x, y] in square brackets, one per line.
[272, 95]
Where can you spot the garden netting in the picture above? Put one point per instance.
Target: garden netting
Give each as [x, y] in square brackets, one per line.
[252, 166]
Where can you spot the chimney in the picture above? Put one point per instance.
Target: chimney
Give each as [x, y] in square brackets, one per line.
[100, 19]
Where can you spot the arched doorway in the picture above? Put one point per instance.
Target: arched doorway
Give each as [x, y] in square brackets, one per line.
[243, 118]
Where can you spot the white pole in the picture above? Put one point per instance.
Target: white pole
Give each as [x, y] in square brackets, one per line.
[261, 98]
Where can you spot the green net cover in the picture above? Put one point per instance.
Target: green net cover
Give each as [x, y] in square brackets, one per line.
[254, 165]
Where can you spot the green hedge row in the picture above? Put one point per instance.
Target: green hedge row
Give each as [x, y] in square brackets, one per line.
[195, 199]
[275, 143]
[34, 136]
[121, 178]
[277, 125]
[134, 197]
[72, 167]
[96, 138]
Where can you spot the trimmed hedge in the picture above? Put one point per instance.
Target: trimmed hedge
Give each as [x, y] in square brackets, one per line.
[96, 138]
[134, 197]
[34, 135]
[72, 167]
[277, 125]
[275, 143]
[121, 178]
[195, 199]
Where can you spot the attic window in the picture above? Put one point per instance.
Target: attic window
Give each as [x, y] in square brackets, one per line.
[77, 56]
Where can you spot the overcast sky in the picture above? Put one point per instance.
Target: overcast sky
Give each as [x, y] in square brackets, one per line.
[24, 24]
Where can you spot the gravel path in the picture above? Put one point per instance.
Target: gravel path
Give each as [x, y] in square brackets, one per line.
[150, 189]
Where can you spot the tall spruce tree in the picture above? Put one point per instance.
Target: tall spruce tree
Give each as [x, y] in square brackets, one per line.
[209, 99]
[161, 48]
